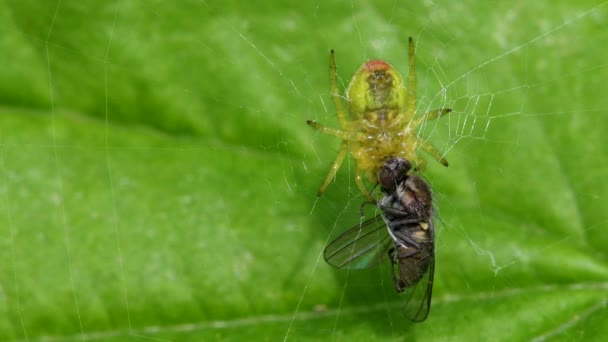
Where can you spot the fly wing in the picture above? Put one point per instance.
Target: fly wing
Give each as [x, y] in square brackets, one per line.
[418, 296]
[362, 246]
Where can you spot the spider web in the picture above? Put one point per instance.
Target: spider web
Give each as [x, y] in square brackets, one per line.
[474, 99]
[123, 262]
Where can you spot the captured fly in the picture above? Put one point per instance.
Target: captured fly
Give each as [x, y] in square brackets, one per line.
[403, 232]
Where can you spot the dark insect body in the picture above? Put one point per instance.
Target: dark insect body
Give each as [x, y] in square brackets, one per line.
[403, 232]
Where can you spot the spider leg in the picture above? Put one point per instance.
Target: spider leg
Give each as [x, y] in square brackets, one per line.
[432, 115]
[411, 78]
[430, 149]
[335, 94]
[361, 186]
[334, 167]
[344, 135]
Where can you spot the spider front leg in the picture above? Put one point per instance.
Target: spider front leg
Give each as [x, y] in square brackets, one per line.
[335, 93]
[411, 78]
[411, 91]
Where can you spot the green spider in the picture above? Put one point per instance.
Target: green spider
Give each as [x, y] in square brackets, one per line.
[381, 123]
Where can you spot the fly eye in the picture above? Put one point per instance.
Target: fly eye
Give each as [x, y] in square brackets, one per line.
[393, 172]
[387, 178]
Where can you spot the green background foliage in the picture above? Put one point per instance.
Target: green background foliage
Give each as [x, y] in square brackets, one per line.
[157, 178]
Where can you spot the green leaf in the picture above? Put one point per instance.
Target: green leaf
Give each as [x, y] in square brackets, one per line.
[158, 180]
